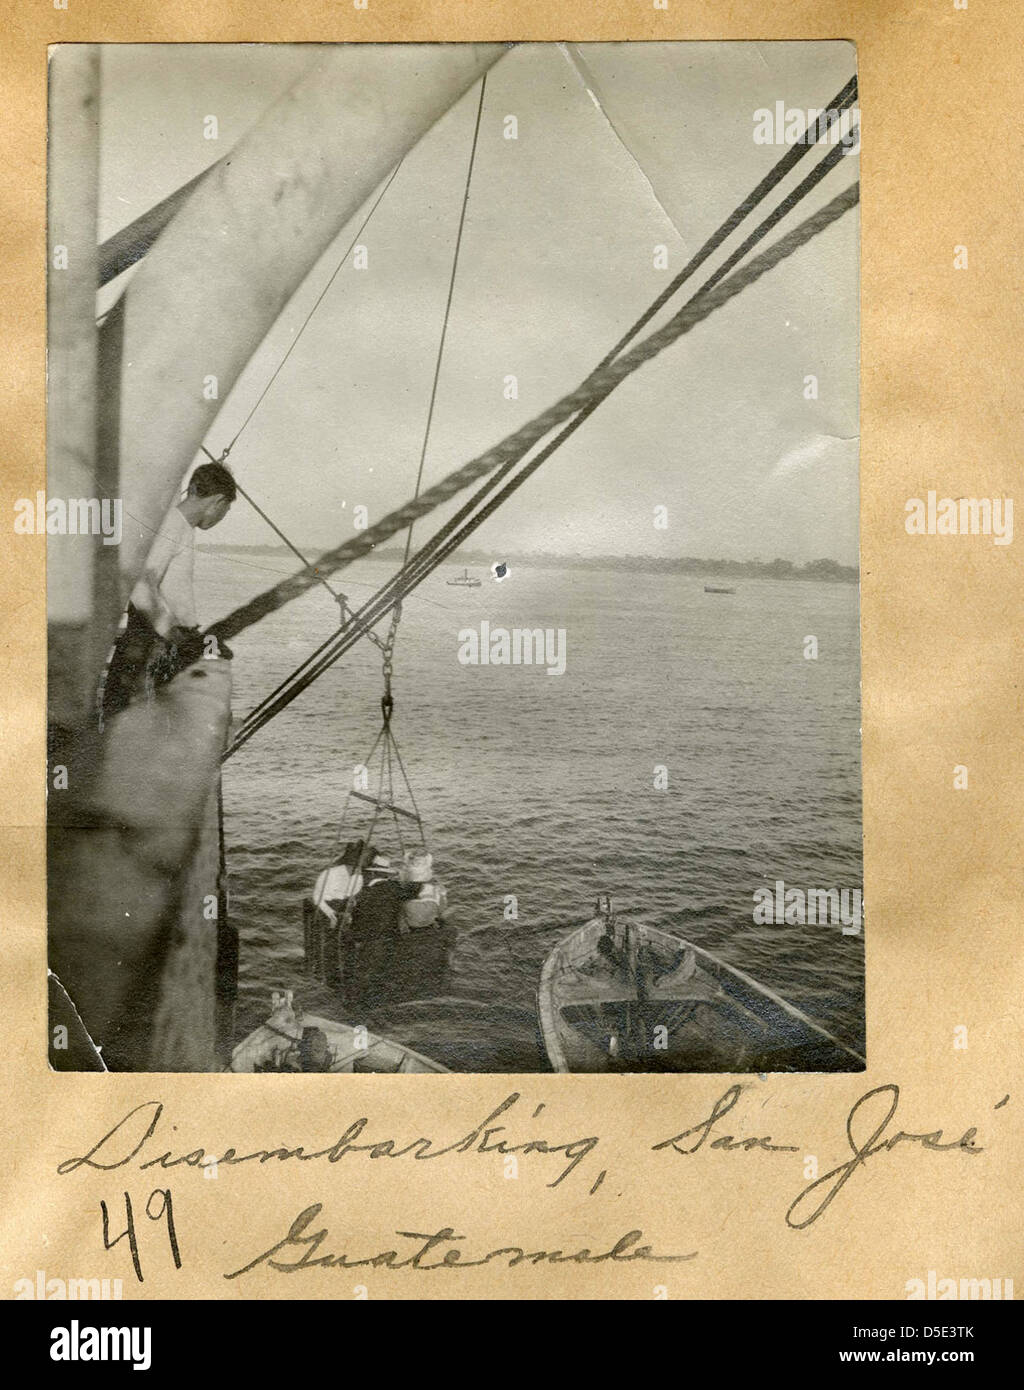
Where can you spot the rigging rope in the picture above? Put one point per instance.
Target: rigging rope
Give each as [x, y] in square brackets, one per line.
[448, 306]
[335, 594]
[595, 388]
[396, 614]
[842, 100]
[445, 541]
[599, 385]
[432, 554]
[319, 300]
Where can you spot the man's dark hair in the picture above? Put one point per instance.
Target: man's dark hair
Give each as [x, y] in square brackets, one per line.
[209, 479]
[314, 1050]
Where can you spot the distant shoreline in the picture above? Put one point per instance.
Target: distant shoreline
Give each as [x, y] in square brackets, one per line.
[829, 570]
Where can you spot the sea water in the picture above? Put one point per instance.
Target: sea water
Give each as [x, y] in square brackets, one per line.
[541, 792]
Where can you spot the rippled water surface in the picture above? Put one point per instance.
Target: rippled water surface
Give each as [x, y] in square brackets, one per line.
[543, 786]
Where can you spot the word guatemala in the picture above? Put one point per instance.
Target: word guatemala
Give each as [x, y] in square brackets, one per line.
[818, 906]
[77, 1343]
[523, 646]
[961, 516]
[73, 516]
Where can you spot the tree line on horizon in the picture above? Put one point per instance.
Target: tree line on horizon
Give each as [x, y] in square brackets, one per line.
[824, 568]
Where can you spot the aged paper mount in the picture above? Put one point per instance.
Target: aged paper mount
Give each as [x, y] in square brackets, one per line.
[679, 1187]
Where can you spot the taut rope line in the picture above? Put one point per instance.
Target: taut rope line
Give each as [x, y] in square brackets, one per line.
[442, 544]
[593, 390]
[842, 100]
[447, 306]
[396, 613]
[316, 305]
[338, 597]
[597, 387]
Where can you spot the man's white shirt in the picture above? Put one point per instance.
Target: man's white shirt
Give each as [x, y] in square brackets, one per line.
[335, 884]
[165, 591]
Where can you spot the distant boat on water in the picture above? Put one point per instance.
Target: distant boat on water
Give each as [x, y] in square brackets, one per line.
[465, 581]
[714, 589]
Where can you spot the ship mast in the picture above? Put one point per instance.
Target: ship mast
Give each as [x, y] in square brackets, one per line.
[138, 947]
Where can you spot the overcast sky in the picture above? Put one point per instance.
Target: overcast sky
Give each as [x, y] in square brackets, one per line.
[636, 145]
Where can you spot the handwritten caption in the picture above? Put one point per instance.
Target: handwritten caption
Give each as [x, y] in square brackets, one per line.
[138, 1140]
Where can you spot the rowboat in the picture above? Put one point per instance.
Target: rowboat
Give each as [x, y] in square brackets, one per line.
[616, 995]
[125, 419]
[288, 1042]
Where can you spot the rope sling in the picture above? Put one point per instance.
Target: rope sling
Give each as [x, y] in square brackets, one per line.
[502, 459]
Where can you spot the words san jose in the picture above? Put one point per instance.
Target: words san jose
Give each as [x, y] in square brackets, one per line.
[139, 1138]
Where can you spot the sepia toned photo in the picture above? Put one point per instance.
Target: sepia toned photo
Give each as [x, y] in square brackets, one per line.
[452, 558]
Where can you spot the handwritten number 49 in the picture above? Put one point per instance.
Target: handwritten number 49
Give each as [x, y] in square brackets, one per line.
[165, 1213]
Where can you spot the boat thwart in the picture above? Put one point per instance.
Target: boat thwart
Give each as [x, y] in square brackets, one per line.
[617, 995]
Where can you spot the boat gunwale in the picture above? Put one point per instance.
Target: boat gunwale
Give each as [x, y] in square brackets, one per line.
[306, 1020]
[548, 1010]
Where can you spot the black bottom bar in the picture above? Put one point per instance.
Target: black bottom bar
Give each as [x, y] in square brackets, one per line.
[308, 1340]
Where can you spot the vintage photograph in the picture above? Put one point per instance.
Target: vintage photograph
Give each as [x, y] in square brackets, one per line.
[452, 558]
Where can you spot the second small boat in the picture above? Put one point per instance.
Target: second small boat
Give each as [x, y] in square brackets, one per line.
[616, 995]
[292, 1041]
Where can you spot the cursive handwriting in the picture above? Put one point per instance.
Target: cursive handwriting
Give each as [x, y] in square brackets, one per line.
[137, 1139]
[834, 1181]
[815, 1199]
[133, 1135]
[701, 1132]
[625, 1249]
